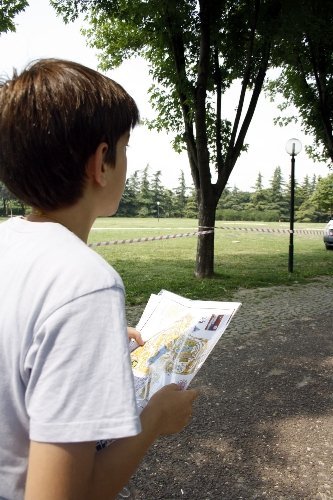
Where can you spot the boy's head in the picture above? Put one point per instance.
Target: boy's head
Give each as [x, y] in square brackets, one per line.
[53, 116]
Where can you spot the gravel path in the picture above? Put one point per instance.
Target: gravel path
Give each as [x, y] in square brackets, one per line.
[263, 425]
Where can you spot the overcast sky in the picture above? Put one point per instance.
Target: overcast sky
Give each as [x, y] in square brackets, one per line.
[40, 33]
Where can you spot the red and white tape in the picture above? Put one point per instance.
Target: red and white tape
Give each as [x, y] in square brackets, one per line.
[148, 238]
[267, 230]
[207, 230]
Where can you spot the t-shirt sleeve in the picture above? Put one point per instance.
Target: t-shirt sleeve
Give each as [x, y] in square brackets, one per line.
[80, 385]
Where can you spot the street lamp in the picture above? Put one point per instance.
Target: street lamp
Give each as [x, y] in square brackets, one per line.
[293, 147]
[158, 211]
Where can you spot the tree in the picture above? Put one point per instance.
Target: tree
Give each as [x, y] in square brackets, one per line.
[306, 80]
[5, 197]
[276, 196]
[180, 196]
[276, 186]
[322, 197]
[8, 11]
[259, 197]
[314, 182]
[167, 205]
[307, 212]
[196, 50]
[157, 192]
[128, 206]
[145, 199]
[10, 204]
[191, 207]
[258, 187]
[304, 191]
[234, 199]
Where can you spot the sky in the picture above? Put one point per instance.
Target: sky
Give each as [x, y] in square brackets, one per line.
[40, 33]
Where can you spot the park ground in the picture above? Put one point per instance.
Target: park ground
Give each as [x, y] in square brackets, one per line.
[263, 425]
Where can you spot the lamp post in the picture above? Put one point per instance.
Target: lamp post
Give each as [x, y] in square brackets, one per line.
[293, 147]
[158, 211]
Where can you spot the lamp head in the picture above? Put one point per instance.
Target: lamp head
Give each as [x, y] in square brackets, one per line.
[293, 147]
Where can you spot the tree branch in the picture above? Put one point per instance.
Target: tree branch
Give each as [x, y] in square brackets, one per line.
[323, 107]
[259, 81]
[218, 84]
[177, 48]
[201, 94]
[246, 77]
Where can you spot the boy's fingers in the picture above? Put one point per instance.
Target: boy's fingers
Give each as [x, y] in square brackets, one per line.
[194, 393]
[135, 335]
[171, 387]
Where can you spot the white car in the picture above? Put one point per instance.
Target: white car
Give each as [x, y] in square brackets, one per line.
[328, 235]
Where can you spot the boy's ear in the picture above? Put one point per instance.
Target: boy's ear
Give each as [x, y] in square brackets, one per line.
[96, 166]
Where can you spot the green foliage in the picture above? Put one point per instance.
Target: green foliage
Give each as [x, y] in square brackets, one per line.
[277, 185]
[259, 198]
[8, 10]
[145, 196]
[196, 50]
[322, 197]
[191, 206]
[306, 81]
[313, 199]
[316, 200]
[180, 198]
[9, 205]
[128, 203]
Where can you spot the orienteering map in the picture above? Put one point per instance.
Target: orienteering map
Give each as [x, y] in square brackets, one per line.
[179, 335]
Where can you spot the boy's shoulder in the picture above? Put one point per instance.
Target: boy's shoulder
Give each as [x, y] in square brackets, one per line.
[58, 256]
[80, 264]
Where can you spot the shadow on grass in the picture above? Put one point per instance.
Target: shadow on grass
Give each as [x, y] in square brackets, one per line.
[262, 427]
[143, 276]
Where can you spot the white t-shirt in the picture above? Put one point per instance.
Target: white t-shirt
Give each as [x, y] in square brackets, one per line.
[64, 358]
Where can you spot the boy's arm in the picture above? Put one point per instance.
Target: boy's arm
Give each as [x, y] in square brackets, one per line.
[74, 471]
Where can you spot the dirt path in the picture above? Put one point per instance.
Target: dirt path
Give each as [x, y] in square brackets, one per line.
[263, 426]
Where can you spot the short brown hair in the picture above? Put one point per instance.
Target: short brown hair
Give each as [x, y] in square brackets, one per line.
[53, 116]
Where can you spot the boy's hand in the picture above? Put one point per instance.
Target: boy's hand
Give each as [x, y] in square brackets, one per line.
[172, 408]
[134, 334]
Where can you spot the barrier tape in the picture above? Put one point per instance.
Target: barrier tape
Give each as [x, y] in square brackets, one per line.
[207, 230]
[149, 238]
[268, 230]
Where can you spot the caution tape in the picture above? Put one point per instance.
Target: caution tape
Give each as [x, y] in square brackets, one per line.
[149, 238]
[206, 230]
[267, 230]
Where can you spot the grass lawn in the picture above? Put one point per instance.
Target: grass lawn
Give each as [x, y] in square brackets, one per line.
[242, 259]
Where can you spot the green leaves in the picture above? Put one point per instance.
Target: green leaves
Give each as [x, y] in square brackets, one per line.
[323, 196]
[304, 53]
[8, 11]
[185, 43]
[195, 51]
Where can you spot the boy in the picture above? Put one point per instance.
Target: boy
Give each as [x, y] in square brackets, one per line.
[66, 379]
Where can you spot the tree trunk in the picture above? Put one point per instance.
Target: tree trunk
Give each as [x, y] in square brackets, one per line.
[205, 245]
